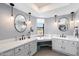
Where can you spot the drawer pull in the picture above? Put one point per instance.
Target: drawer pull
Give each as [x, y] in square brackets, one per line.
[19, 49]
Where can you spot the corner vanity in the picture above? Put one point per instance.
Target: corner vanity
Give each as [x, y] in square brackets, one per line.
[65, 45]
[28, 47]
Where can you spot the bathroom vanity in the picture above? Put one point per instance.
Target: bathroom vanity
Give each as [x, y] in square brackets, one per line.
[27, 47]
[68, 46]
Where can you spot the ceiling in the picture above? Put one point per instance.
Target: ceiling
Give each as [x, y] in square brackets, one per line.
[40, 5]
[47, 10]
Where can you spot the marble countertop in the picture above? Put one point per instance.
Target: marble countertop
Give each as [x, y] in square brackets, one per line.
[40, 39]
[66, 38]
[5, 46]
[70, 38]
[11, 43]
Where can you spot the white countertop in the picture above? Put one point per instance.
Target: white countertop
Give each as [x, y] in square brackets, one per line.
[10, 45]
[41, 39]
[67, 38]
[48, 38]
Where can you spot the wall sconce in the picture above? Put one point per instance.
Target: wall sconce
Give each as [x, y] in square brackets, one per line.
[12, 5]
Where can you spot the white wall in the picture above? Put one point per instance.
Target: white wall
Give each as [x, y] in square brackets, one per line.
[52, 28]
[7, 29]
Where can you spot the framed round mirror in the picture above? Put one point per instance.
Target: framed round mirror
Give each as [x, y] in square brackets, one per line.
[20, 23]
[63, 24]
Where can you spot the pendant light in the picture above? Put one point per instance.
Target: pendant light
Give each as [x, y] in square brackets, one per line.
[55, 18]
[72, 16]
[29, 17]
[29, 25]
[12, 5]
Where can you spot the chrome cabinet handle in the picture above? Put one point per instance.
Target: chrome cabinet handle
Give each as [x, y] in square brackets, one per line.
[19, 49]
[62, 47]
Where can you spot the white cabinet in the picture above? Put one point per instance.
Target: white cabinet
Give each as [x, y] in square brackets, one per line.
[65, 46]
[8, 53]
[57, 44]
[32, 47]
[27, 49]
[20, 51]
[70, 47]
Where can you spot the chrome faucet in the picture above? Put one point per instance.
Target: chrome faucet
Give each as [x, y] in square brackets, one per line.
[62, 35]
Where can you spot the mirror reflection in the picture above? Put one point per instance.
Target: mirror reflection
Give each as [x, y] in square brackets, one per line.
[20, 23]
[63, 24]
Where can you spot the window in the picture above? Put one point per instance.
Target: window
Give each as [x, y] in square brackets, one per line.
[40, 27]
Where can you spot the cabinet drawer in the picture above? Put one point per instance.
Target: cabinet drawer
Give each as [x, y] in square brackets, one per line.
[8, 53]
[71, 50]
[73, 44]
[19, 50]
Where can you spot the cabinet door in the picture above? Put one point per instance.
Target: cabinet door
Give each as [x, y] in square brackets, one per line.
[57, 44]
[27, 49]
[33, 47]
[20, 51]
[8, 53]
[71, 47]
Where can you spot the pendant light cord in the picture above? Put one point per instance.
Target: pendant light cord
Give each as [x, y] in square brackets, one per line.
[72, 15]
[29, 15]
[11, 4]
[55, 18]
[11, 10]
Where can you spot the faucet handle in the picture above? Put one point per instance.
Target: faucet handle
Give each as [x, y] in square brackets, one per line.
[23, 37]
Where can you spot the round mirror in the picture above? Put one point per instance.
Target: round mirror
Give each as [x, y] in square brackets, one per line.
[20, 23]
[63, 24]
